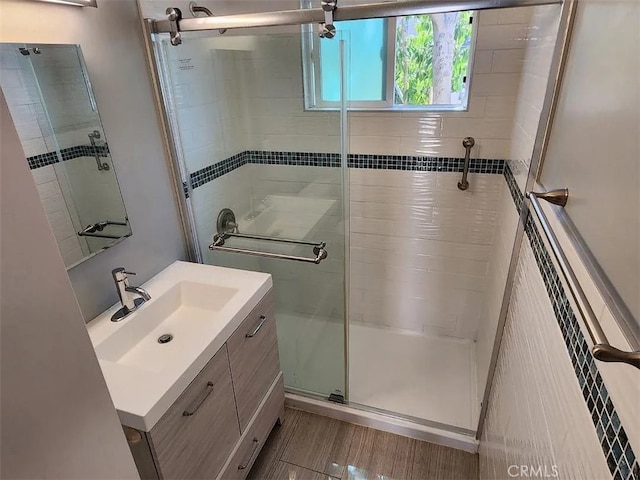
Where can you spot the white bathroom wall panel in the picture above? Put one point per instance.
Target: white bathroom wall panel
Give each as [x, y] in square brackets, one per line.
[603, 64]
[537, 416]
[58, 420]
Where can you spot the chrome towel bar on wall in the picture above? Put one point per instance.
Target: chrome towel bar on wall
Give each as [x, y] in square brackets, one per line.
[318, 248]
[602, 349]
[228, 227]
[91, 230]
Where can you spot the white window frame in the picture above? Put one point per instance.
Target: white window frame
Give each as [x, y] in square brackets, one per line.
[312, 75]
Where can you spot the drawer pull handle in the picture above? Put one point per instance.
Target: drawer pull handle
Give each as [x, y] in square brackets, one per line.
[209, 387]
[256, 442]
[255, 331]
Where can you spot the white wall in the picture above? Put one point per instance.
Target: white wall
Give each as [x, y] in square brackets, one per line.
[594, 146]
[58, 420]
[111, 41]
[506, 222]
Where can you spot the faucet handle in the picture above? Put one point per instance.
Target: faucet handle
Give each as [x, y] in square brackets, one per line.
[119, 274]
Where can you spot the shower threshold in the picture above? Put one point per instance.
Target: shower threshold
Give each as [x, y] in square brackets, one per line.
[419, 429]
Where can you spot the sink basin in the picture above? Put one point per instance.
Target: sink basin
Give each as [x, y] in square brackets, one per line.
[185, 312]
[152, 355]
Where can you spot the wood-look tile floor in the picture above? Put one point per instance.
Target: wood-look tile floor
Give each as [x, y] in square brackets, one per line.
[312, 447]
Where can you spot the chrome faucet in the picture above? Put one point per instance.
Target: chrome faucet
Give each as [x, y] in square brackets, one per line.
[129, 302]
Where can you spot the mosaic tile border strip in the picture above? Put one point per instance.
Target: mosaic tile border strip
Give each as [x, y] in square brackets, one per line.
[387, 162]
[614, 441]
[514, 188]
[425, 164]
[56, 156]
[207, 174]
[303, 159]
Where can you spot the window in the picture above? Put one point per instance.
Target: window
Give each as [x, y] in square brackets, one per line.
[393, 63]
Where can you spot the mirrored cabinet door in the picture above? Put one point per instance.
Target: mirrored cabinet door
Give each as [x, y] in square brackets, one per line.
[49, 94]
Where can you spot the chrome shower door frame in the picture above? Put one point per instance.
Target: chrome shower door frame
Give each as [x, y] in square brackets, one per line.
[173, 153]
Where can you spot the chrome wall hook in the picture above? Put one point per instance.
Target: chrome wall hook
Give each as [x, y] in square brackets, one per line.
[327, 29]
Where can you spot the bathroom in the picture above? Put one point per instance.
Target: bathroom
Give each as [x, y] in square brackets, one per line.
[440, 318]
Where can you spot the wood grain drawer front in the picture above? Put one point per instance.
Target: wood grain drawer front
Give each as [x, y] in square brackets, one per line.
[253, 355]
[200, 430]
[256, 435]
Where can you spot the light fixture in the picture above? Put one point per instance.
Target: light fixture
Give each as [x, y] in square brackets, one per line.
[75, 3]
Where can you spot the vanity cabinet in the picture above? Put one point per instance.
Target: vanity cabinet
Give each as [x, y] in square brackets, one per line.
[218, 425]
[253, 356]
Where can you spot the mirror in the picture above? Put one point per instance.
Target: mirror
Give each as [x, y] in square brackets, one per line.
[50, 98]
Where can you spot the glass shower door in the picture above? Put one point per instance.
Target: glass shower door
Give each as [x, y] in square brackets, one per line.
[249, 147]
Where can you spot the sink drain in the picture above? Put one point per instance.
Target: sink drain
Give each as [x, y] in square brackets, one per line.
[166, 338]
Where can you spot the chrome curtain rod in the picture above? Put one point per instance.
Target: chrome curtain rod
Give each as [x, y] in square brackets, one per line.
[349, 12]
[602, 349]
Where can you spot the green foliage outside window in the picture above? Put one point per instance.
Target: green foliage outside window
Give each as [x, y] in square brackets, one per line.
[414, 58]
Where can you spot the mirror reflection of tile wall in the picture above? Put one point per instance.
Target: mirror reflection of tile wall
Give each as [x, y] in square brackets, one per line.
[49, 95]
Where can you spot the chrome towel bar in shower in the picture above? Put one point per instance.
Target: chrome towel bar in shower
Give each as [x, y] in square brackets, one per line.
[602, 349]
[318, 247]
[227, 227]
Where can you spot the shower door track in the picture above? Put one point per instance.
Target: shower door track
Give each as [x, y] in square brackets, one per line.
[341, 13]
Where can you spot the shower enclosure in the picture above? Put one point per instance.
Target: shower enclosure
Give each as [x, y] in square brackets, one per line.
[389, 278]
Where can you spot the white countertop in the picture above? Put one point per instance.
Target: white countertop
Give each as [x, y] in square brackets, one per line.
[143, 395]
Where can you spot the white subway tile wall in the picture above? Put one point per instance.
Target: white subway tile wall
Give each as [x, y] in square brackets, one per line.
[58, 214]
[537, 416]
[420, 249]
[533, 61]
[254, 84]
[500, 258]
[538, 52]
[257, 93]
